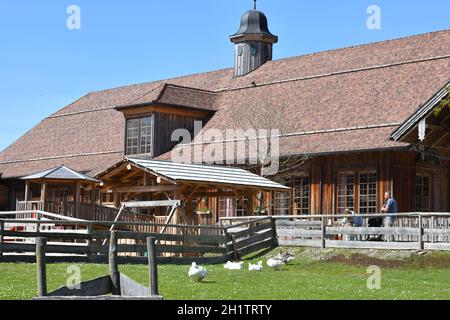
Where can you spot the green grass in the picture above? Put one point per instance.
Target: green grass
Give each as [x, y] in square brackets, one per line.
[303, 279]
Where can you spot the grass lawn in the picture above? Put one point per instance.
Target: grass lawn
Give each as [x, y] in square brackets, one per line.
[339, 277]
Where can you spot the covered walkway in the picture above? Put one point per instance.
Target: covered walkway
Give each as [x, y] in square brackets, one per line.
[206, 192]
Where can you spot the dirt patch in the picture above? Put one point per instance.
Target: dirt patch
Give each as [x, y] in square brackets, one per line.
[363, 260]
[313, 254]
[414, 262]
[439, 262]
[412, 259]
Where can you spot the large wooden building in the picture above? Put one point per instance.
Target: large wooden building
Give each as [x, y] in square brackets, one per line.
[355, 115]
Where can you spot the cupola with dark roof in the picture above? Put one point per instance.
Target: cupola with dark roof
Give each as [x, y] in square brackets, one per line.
[253, 43]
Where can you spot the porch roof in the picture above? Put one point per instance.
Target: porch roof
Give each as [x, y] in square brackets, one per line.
[436, 136]
[209, 174]
[61, 173]
[423, 112]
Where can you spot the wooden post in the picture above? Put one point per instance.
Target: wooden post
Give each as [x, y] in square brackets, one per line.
[113, 266]
[43, 192]
[324, 232]
[27, 193]
[274, 232]
[153, 267]
[235, 252]
[38, 223]
[2, 228]
[77, 199]
[433, 238]
[251, 204]
[145, 179]
[92, 215]
[116, 200]
[89, 242]
[41, 248]
[421, 247]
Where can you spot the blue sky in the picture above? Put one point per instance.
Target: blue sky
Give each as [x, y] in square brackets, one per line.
[45, 66]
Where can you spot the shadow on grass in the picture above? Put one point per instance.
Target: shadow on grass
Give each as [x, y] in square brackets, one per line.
[258, 254]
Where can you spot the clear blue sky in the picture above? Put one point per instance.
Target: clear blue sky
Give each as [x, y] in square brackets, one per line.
[44, 66]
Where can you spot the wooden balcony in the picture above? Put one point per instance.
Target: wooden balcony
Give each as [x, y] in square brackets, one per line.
[88, 212]
[71, 209]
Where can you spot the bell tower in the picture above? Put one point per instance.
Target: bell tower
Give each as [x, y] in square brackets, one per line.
[253, 43]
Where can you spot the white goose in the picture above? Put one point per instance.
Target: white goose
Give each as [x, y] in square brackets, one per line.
[255, 267]
[274, 263]
[234, 265]
[197, 273]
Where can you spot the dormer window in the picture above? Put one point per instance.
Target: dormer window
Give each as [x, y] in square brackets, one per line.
[139, 136]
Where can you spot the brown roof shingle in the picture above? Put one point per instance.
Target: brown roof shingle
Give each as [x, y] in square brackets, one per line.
[175, 95]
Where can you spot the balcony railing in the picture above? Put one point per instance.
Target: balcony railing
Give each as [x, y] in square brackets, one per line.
[88, 212]
[69, 209]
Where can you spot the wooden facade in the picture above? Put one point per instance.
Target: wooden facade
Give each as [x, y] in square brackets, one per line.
[329, 185]
[398, 172]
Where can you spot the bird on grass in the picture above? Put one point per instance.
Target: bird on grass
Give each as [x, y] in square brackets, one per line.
[197, 273]
[234, 265]
[255, 267]
[285, 257]
[274, 263]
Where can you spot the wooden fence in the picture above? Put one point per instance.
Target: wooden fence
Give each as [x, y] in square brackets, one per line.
[84, 241]
[414, 231]
[252, 236]
[115, 286]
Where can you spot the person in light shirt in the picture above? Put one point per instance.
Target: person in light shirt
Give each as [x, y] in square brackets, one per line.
[390, 207]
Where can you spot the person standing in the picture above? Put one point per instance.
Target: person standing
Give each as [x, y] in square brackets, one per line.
[391, 209]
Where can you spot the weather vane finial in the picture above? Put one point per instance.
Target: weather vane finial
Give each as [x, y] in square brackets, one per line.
[254, 6]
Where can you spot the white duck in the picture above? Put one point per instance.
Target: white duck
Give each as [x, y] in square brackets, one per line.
[234, 265]
[255, 267]
[274, 263]
[197, 273]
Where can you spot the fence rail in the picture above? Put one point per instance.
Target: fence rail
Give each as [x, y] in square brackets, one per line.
[422, 231]
[79, 240]
[71, 239]
[252, 236]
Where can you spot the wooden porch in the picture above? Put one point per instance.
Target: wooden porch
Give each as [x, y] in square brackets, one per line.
[201, 189]
[85, 212]
[410, 231]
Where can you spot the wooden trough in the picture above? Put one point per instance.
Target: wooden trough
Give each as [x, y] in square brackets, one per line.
[115, 286]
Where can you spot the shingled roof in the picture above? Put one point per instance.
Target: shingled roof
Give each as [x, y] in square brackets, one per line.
[173, 95]
[60, 173]
[343, 100]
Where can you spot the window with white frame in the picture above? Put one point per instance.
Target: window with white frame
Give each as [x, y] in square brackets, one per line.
[367, 193]
[301, 195]
[139, 136]
[281, 204]
[422, 192]
[345, 192]
[357, 191]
